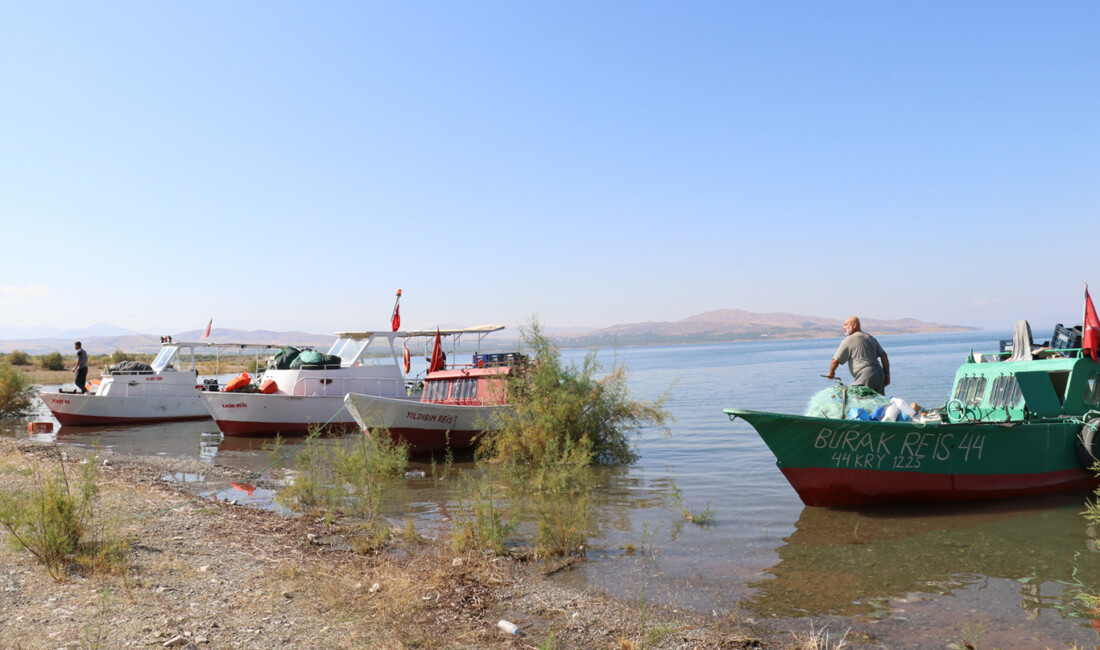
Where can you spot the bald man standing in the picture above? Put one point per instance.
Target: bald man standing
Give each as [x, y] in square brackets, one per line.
[862, 354]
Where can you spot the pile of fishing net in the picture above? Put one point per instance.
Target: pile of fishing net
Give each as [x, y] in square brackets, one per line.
[839, 401]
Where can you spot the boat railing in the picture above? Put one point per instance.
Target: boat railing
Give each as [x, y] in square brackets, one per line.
[133, 388]
[336, 387]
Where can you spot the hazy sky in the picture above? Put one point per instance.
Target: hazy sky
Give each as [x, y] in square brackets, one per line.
[290, 165]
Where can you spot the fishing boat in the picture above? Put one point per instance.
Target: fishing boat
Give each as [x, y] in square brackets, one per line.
[457, 403]
[1017, 422]
[165, 390]
[305, 389]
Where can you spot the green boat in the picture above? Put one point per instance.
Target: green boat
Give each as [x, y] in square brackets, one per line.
[1013, 425]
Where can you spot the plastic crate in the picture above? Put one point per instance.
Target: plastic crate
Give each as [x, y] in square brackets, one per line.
[1065, 338]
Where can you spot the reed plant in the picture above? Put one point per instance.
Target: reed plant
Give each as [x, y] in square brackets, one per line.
[346, 478]
[558, 486]
[485, 517]
[16, 393]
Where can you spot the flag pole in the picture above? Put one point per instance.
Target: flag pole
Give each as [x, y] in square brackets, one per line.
[394, 314]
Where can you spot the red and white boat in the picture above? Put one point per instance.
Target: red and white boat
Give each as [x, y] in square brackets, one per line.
[312, 394]
[166, 390]
[458, 402]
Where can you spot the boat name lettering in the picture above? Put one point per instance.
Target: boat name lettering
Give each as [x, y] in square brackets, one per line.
[154, 378]
[238, 405]
[881, 450]
[58, 401]
[430, 417]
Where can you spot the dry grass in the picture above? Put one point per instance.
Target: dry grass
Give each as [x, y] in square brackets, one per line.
[402, 600]
[817, 640]
[36, 375]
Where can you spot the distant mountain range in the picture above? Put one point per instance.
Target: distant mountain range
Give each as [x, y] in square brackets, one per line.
[739, 325]
[710, 327]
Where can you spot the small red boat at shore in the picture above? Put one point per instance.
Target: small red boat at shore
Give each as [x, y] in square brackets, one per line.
[457, 404]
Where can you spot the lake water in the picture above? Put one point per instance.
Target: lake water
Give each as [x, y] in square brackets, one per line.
[901, 577]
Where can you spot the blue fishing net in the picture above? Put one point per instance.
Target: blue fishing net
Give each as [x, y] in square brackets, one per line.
[828, 403]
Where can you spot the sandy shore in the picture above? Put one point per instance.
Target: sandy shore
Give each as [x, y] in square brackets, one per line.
[213, 574]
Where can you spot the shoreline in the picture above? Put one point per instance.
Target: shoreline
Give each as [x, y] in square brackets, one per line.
[213, 574]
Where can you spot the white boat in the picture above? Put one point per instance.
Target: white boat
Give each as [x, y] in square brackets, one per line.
[312, 394]
[166, 390]
[458, 403]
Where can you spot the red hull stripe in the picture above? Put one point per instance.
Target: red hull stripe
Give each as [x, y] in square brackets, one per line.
[238, 428]
[70, 420]
[423, 441]
[829, 487]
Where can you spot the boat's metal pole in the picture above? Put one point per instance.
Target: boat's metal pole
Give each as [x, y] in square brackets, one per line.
[843, 395]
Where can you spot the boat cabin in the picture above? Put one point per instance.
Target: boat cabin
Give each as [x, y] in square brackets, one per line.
[479, 384]
[1049, 381]
[175, 365]
[356, 362]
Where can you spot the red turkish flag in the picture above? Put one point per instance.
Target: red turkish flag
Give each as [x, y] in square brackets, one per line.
[207, 332]
[437, 354]
[395, 322]
[1091, 334]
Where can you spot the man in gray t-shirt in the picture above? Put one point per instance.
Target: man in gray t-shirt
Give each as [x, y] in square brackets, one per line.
[862, 353]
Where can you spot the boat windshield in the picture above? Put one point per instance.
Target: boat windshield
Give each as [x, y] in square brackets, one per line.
[348, 349]
[357, 350]
[164, 357]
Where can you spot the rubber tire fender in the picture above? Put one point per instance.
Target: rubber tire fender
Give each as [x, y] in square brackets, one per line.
[1087, 444]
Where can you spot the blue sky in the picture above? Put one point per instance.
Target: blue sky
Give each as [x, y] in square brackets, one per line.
[287, 165]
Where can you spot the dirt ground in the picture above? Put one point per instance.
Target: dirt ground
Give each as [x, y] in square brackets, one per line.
[213, 574]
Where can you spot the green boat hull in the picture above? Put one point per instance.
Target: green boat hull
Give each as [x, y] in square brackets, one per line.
[833, 462]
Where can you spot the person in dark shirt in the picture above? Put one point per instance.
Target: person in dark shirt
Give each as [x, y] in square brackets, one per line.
[81, 368]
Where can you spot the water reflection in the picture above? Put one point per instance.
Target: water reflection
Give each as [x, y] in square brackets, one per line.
[857, 564]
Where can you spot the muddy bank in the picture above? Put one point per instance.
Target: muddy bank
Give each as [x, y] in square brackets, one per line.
[214, 574]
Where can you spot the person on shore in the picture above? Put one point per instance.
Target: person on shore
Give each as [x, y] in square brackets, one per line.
[862, 353]
[81, 368]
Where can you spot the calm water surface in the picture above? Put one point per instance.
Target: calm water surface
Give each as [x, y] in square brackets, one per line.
[905, 577]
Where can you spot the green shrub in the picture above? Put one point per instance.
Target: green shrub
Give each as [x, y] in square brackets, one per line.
[563, 420]
[119, 356]
[553, 404]
[19, 358]
[52, 361]
[53, 520]
[16, 395]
